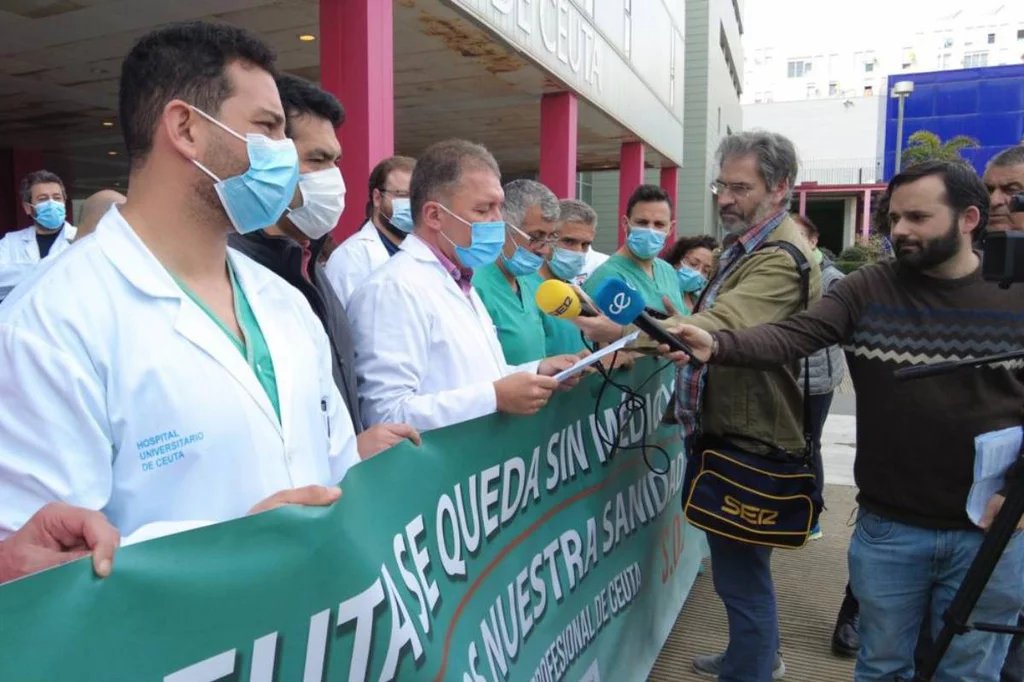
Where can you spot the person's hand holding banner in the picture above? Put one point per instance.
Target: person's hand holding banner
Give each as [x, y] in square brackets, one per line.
[56, 534]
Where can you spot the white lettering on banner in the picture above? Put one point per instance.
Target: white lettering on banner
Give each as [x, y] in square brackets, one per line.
[564, 32]
[581, 631]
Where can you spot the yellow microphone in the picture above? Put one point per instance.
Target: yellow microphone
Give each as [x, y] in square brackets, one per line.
[558, 299]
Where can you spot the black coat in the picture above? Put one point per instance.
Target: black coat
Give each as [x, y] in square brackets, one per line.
[283, 257]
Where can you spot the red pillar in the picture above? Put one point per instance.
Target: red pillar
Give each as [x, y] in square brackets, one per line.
[631, 174]
[670, 183]
[357, 67]
[23, 162]
[865, 231]
[803, 202]
[558, 115]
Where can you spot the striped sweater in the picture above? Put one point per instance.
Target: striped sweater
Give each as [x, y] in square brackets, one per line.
[915, 439]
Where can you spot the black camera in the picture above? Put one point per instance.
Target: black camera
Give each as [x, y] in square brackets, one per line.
[1004, 252]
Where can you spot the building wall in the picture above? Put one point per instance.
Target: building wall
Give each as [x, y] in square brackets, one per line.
[857, 62]
[712, 105]
[836, 139]
[986, 104]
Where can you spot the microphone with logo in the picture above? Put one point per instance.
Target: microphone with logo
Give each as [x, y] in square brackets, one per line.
[625, 305]
[558, 299]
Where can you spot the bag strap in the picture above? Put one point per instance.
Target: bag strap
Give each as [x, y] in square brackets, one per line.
[804, 271]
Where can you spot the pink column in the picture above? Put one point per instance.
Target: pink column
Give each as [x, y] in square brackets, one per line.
[865, 229]
[803, 202]
[23, 162]
[631, 174]
[670, 183]
[558, 115]
[357, 67]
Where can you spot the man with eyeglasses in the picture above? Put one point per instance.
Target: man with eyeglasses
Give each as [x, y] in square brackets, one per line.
[388, 221]
[507, 286]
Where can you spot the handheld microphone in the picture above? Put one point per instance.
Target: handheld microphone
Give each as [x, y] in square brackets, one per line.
[558, 299]
[625, 305]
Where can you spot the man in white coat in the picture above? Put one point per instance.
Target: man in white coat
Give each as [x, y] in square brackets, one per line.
[151, 373]
[388, 221]
[43, 199]
[427, 353]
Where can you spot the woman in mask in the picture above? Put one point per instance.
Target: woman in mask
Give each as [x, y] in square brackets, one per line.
[692, 258]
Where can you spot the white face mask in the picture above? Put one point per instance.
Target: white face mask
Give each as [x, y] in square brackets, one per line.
[323, 201]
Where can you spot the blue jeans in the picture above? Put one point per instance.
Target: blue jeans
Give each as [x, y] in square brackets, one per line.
[904, 576]
[743, 580]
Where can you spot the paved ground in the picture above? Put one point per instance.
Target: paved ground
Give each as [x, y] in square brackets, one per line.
[809, 581]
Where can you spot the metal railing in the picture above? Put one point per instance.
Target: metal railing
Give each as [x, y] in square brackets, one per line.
[841, 171]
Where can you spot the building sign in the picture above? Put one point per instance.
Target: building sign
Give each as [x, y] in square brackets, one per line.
[561, 38]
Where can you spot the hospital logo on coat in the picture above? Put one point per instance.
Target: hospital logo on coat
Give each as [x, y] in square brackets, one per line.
[164, 449]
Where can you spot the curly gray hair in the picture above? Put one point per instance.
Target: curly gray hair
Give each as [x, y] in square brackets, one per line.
[521, 195]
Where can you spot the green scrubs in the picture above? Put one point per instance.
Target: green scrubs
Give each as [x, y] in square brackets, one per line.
[561, 336]
[515, 315]
[253, 346]
[664, 283]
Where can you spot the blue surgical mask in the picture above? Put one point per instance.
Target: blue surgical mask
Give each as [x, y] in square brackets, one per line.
[690, 281]
[401, 215]
[566, 264]
[258, 197]
[645, 243]
[485, 242]
[50, 214]
[523, 261]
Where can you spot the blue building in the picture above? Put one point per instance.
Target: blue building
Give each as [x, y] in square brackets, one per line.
[984, 103]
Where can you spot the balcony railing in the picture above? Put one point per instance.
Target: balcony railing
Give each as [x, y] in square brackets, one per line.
[841, 171]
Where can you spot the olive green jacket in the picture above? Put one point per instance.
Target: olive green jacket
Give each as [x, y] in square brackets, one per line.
[757, 406]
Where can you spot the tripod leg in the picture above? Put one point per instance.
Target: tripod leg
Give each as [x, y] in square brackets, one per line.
[957, 616]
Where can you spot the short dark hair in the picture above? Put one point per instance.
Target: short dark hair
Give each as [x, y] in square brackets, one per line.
[440, 167]
[648, 193]
[299, 97]
[39, 177]
[674, 256]
[1012, 156]
[185, 61]
[379, 176]
[805, 222]
[963, 186]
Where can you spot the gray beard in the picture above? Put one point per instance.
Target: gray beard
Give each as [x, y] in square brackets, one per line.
[763, 211]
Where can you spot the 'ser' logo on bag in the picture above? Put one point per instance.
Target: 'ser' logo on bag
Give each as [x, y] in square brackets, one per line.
[752, 515]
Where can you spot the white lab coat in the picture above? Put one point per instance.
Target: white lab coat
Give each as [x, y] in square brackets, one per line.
[595, 259]
[355, 260]
[119, 393]
[426, 354]
[19, 254]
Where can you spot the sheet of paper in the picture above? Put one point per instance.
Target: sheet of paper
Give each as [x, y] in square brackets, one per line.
[994, 453]
[596, 357]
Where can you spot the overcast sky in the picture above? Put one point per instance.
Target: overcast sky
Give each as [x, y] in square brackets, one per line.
[824, 24]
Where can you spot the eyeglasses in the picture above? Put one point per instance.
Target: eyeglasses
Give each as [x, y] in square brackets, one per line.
[537, 237]
[738, 190]
[398, 194]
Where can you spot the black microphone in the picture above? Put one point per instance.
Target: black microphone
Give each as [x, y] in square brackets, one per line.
[624, 305]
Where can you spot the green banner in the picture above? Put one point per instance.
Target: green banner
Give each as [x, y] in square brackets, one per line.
[502, 549]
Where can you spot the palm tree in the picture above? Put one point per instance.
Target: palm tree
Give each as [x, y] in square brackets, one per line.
[925, 145]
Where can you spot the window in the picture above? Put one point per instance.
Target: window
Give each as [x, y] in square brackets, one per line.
[947, 43]
[1020, 34]
[812, 91]
[869, 67]
[739, 19]
[945, 60]
[798, 68]
[991, 38]
[833, 89]
[869, 91]
[723, 42]
[974, 60]
[585, 187]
